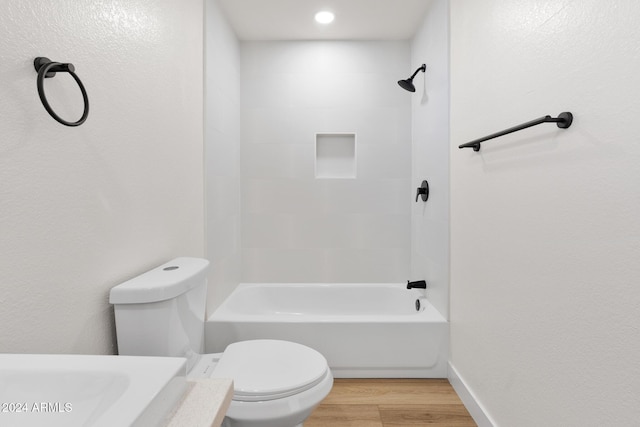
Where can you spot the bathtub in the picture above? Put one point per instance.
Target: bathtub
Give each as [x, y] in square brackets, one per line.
[375, 330]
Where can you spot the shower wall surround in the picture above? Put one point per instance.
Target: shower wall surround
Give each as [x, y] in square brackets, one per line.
[295, 227]
[222, 154]
[430, 155]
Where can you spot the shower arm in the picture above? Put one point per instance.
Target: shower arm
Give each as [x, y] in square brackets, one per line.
[422, 68]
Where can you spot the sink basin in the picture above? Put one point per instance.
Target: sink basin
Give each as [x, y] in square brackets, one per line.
[88, 391]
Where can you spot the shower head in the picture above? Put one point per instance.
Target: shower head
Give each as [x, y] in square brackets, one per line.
[408, 83]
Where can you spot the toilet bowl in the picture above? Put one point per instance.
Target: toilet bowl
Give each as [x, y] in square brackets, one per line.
[286, 379]
[161, 313]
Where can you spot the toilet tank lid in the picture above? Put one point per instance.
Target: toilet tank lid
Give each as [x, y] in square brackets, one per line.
[163, 282]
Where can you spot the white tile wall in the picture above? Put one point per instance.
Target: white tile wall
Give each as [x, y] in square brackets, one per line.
[296, 227]
[430, 157]
[222, 155]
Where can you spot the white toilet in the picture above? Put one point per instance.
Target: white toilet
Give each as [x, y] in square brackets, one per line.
[162, 313]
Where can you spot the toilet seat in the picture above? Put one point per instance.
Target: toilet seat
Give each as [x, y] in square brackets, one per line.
[265, 370]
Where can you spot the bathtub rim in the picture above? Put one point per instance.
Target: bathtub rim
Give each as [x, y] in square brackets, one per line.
[428, 314]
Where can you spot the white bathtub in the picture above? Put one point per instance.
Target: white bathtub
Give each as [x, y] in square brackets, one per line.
[364, 330]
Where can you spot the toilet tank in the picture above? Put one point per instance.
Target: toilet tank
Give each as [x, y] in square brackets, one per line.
[162, 312]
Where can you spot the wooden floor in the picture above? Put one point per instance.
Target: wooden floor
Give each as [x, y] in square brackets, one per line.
[391, 403]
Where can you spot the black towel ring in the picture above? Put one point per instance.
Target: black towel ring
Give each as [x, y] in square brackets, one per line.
[46, 69]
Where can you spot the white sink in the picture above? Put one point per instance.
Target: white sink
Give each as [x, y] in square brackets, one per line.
[91, 391]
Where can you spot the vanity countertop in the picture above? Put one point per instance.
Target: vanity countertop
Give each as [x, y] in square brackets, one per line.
[204, 403]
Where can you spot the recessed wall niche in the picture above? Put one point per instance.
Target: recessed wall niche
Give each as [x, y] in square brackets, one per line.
[335, 155]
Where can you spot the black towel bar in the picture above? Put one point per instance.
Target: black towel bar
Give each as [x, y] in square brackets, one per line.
[563, 121]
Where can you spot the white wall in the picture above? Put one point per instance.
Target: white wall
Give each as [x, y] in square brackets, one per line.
[85, 208]
[296, 228]
[222, 154]
[430, 155]
[544, 222]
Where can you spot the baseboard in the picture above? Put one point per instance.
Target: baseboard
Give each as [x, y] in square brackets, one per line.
[475, 409]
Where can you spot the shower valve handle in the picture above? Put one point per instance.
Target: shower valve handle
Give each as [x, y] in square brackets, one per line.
[423, 191]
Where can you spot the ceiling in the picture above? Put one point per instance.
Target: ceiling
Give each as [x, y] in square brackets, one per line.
[355, 19]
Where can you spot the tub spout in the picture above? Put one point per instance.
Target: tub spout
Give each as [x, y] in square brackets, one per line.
[420, 284]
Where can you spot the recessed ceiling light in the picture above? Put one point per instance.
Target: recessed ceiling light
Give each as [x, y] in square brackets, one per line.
[324, 17]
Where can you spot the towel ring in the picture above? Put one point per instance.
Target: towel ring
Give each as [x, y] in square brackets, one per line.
[46, 69]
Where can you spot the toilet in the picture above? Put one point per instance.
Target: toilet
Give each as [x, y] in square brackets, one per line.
[162, 313]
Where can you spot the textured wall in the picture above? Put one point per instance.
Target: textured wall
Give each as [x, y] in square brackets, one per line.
[299, 228]
[85, 208]
[544, 223]
[222, 154]
[430, 155]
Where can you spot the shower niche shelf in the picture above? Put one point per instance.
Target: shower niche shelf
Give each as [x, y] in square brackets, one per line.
[335, 155]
